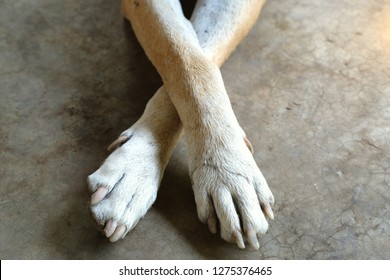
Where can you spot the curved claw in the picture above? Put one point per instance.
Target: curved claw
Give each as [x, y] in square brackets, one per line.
[249, 145]
[252, 239]
[237, 238]
[110, 228]
[98, 196]
[268, 211]
[212, 223]
[118, 233]
[118, 142]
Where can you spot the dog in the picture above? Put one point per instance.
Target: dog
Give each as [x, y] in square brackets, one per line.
[230, 191]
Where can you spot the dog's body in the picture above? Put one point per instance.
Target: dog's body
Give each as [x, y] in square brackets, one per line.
[228, 186]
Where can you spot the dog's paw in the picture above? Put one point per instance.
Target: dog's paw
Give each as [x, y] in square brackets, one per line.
[126, 185]
[231, 191]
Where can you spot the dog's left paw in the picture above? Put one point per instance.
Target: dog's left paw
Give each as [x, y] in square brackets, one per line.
[125, 186]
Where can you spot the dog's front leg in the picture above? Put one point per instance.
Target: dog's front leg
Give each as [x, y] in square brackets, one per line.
[227, 183]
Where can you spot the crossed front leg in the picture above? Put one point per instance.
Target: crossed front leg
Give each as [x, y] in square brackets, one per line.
[228, 186]
[126, 184]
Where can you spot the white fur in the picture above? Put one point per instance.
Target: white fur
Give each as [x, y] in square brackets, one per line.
[228, 186]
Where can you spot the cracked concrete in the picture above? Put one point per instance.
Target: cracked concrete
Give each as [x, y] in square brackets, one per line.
[310, 86]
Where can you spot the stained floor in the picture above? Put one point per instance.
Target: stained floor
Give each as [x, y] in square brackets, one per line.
[310, 85]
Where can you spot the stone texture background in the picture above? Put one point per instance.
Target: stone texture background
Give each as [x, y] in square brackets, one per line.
[310, 85]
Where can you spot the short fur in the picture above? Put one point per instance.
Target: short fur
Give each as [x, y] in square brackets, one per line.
[228, 186]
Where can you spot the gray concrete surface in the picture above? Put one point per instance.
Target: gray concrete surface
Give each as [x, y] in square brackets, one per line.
[310, 85]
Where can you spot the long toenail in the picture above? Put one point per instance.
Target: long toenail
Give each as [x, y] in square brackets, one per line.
[237, 238]
[268, 210]
[110, 228]
[248, 144]
[118, 142]
[98, 196]
[252, 239]
[118, 234]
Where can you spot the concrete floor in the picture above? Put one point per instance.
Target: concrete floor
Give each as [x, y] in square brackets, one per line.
[310, 85]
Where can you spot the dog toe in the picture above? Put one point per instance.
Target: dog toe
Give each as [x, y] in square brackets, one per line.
[118, 233]
[98, 195]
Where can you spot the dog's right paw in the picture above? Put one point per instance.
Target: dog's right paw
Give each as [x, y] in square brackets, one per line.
[126, 185]
[231, 192]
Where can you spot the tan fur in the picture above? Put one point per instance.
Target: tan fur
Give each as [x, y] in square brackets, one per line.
[229, 188]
